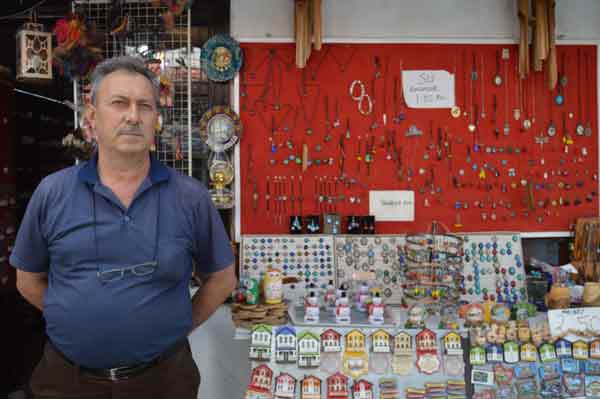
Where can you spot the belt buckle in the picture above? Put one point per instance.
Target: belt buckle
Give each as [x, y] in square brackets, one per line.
[113, 374]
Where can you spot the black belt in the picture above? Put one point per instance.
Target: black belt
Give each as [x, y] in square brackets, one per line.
[125, 372]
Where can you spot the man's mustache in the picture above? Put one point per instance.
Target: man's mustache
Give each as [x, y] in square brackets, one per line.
[132, 130]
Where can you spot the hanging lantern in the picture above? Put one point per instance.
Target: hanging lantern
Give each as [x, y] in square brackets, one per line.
[34, 53]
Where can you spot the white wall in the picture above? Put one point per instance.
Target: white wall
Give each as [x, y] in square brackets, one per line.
[410, 20]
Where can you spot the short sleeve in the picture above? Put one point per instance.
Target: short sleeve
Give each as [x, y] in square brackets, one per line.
[212, 250]
[30, 252]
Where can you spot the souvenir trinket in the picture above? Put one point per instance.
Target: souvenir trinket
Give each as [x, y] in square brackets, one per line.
[251, 290]
[342, 310]
[528, 352]
[500, 313]
[485, 394]
[472, 313]
[353, 226]
[285, 345]
[329, 297]
[494, 353]
[570, 365]
[580, 350]
[220, 128]
[362, 297]
[453, 354]
[312, 224]
[449, 318]
[388, 388]
[563, 348]
[591, 367]
[309, 353]
[592, 386]
[310, 388]
[574, 384]
[526, 388]
[403, 349]
[295, 224]
[273, 286]
[549, 371]
[376, 310]
[355, 359]
[331, 223]
[362, 389]
[285, 386]
[523, 332]
[416, 316]
[380, 348]
[503, 375]
[477, 356]
[331, 341]
[260, 383]
[511, 352]
[547, 353]
[595, 349]
[482, 377]
[337, 386]
[427, 352]
[221, 58]
[260, 342]
[311, 308]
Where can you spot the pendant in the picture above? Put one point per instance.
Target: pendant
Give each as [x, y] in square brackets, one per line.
[498, 80]
[309, 132]
[455, 111]
[526, 124]
[580, 129]
[517, 114]
[472, 127]
[506, 129]
[559, 99]
[551, 130]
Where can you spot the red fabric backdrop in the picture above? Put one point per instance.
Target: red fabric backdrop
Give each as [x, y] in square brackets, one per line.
[280, 102]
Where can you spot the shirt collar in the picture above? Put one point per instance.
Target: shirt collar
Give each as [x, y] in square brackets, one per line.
[89, 171]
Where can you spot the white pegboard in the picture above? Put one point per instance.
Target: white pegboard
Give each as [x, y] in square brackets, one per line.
[377, 255]
[308, 258]
[498, 258]
[147, 36]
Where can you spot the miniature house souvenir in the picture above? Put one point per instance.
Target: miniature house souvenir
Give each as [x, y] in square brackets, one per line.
[402, 357]
[453, 344]
[547, 353]
[528, 352]
[563, 348]
[511, 352]
[355, 361]
[285, 345]
[342, 310]
[494, 353]
[449, 318]
[376, 310]
[309, 354]
[570, 365]
[362, 389]
[337, 386]
[331, 341]
[285, 386]
[381, 348]
[260, 342]
[595, 349]
[311, 308]
[260, 383]
[416, 316]
[362, 298]
[580, 350]
[477, 356]
[427, 356]
[310, 388]
[453, 354]
[273, 286]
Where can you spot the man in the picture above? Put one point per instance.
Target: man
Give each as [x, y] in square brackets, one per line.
[105, 251]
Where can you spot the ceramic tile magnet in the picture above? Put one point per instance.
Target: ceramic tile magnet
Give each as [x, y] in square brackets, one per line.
[580, 350]
[453, 354]
[547, 353]
[477, 356]
[337, 386]
[310, 388]
[355, 359]
[528, 352]
[260, 383]
[428, 361]
[285, 345]
[563, 348]
[380, 341]
[331, 346]
[285, 386]
[403, 349]
[362, 389]
[494, 353]
[309, 353]
[260, 342]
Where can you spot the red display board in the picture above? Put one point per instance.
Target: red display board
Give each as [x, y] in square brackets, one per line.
[310, 146]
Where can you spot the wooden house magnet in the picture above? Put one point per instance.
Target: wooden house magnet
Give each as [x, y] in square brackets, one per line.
[260, 342]
[337, 386]
[380, 341]
[309, 354]
[331, 341]
[260, 383]
[310, 388]
[428, 361]
[285, 386]
[355, 360]
[362, 389]
[285, 345]
[580, 350]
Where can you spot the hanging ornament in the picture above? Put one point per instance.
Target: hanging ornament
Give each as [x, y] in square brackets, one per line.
[34, 53]
[221, 58]
[428, 361]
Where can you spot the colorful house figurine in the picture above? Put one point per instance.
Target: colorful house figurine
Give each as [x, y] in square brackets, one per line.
[453, 344]
[355, 361]
[362, 389]
[595, 349]
[260, 342]
[403, 344]
[494, 353]
[380, 341]
[310, 388]
[477, 356]
[580, 350]
[309, 354]
[260, 383]
[547, 353]
[511, 352]
[331, 341]
[285, 345]
[427, 357]
[564, 348]
[285, 386]
[337, 386]
[528, 352]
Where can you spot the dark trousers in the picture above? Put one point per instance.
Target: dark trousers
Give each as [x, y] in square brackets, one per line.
[176, 377]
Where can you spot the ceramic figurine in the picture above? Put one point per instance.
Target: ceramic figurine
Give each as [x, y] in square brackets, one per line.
[362, 297]
[251, 288]
[511, 331]
[342, 310]
[329, 297]
[472, 313]
[311, 308]
[376, 310]
[416, 316]
[273, 286]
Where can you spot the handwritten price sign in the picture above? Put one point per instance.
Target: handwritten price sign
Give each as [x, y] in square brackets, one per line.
[428, 89]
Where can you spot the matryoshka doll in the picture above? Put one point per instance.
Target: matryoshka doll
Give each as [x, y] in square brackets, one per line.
[273, 286]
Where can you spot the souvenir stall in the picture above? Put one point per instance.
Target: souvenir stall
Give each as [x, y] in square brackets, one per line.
[383, 194]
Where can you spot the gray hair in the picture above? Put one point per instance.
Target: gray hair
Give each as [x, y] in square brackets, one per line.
[125, 63]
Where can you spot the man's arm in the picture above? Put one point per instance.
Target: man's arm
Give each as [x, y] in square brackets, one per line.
[32, 286]
[215, 289]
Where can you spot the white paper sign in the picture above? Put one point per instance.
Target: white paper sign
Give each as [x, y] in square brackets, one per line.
[428, 89]
[581, 320]
[392, 206]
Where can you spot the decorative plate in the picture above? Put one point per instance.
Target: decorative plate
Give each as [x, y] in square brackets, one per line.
[221, 58]
[220, 128]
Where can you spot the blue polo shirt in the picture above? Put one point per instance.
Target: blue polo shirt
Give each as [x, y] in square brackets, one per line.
[75, 226]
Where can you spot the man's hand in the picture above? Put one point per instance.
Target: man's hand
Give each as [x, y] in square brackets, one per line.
[215, 289]
[32, 286]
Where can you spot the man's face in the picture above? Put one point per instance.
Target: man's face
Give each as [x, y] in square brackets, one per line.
[124, 116]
